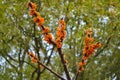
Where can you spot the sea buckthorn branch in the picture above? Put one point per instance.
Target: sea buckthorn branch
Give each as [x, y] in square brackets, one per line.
[35, 60]
[89, 49]
[45, 31]
[60, 36]
[37, 19]
[40, 21]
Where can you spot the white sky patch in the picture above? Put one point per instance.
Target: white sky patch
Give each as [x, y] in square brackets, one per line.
[82, 23]
[112, 9]
[115, 78]
[64, 76]
[33, 52]
[49, 52]
[118, 47]
[95, 32]
[104, 19]
[95, 61]
[62, 16]
[25, 16]
[2, 61]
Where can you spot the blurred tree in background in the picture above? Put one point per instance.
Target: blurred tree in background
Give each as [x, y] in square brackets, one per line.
[18, 36]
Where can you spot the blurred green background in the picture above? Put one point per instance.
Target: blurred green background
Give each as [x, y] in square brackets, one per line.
[19, 35]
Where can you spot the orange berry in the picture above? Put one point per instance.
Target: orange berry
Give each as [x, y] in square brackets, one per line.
[32, 12]
[32, 5]
[80, 64]
[41, 22]
[34, 60]
[48, 38]
[31, 54]
[46, 30]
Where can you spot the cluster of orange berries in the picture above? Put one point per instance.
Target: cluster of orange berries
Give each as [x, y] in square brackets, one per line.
[89, 48]
[33, 56]
[40, 21]
[61, 34]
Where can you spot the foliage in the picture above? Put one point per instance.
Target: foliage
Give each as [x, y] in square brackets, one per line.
[19, 36]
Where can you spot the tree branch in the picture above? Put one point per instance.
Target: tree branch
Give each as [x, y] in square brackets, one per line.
[25, 32]
[77, 75]
[48, 61]
[51, 70]
[32, 76]
[50, 55]
[10, 63]
[11, 58]
[29, 64]
[108, 41]
[64, 64]
[37, 50]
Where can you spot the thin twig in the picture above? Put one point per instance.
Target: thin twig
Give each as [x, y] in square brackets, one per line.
[33, 73]
[37, 50]
[48, 61]
[108, 41]
[12, 58]
[78, 72]
[29, 64]
[12, 65]
[51, 70]
[50, 55]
